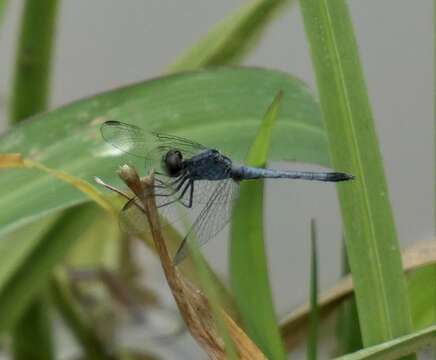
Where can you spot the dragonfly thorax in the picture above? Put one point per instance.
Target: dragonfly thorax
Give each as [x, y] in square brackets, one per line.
[173, 162]
[208, 165]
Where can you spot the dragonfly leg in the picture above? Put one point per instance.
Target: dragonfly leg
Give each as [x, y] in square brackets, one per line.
[188, 185]
[170, 183]
[191, 195]
[180, 181]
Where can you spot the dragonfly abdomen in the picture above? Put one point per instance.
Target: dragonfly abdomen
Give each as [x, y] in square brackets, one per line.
[251, 173]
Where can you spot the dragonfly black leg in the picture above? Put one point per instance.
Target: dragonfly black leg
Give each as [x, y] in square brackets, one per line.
[188, 185]
[180, 181]
[191, 195]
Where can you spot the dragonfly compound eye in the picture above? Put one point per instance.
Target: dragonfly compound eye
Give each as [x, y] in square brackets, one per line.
[173, 162]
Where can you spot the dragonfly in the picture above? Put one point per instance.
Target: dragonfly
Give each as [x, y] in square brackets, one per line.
[193, 176]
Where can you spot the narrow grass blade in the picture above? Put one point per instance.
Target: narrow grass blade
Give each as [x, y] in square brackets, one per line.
[397, 348]
[371, 238]
[30, 96]
[248, 263]
[33, 335]
[34, 58]
[312, 344]
[231, 39]
[348, 335]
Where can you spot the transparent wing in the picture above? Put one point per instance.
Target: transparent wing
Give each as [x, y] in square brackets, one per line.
[212, 218]
[210, 207]
[172, 203]
[148, 145]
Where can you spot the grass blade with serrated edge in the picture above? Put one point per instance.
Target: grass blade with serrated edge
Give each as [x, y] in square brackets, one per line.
[248, 263]
[371, 238]
[231, 39]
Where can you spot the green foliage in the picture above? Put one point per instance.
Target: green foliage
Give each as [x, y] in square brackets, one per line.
[397, 348]
[33, 334]
[230, 40]
[348, 335]
[312, 343]
[32, 273]
[34, 59]
[371, 239]
[422, 294]
[223, 108]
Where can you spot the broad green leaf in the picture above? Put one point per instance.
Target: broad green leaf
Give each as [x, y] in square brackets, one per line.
[220, 108]
[312, 343]
[248, 263]
[231, 39]
[371, 238]
[395, 349]
[25, 282]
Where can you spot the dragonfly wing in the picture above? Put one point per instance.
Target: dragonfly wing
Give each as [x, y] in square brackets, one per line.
[128, 138]
[212, 218]
[132, 219]
[151, 146]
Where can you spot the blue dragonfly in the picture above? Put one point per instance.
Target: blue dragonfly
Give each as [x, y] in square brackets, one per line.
[193, 176]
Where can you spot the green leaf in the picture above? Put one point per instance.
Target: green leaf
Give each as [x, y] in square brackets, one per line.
[394, 349]
[248, 263]
[231, 39]
[348, 335]
[371, 238]
[422, 294]
[312, 343]
[30, 96]
[33, 335]
[34, 57]
[221, 108]
[33, 271]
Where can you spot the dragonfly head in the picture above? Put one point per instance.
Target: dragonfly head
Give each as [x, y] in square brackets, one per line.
[173, 162]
